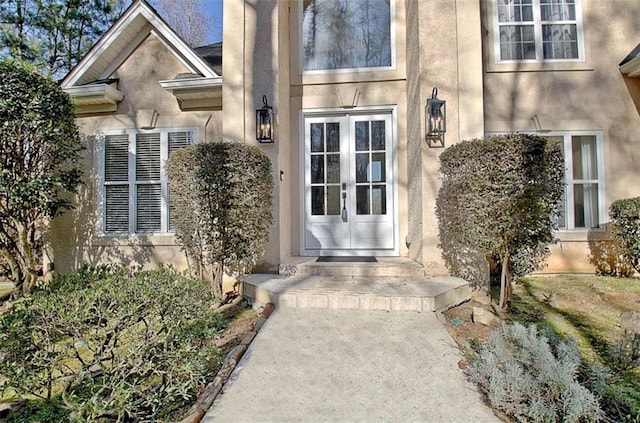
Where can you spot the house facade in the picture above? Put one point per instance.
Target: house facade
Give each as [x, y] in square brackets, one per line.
[354, 172]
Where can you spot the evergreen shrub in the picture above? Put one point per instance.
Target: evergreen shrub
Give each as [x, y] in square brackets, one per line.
[498, 198]
[111, 344]
[221, 199]
[625, 216]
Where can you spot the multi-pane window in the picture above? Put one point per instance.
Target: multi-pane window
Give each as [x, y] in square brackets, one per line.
[341, 34]
[584, 193]
[135, 194]
[538, 30]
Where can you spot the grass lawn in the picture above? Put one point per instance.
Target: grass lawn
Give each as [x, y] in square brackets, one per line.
[585, 307]
[589, 308]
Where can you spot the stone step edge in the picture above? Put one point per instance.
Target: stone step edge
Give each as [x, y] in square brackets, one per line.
[348, 300]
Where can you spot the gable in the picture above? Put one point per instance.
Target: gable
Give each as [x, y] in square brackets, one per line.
[139, 24]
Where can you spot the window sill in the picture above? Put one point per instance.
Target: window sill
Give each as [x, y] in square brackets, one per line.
[582, 235]
[123, 240]
[510, 67]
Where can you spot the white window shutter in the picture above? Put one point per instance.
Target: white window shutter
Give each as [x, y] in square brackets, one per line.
[116, 170]
[148, 157]
[149, 210]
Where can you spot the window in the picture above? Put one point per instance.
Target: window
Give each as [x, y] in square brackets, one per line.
[346, 34]
[134, 185]
[538, 30]
[584, 191]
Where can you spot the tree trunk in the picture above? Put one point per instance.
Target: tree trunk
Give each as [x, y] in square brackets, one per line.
[505, 281]
[216, 283]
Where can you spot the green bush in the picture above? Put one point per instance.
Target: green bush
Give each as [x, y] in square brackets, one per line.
[39, 160]
[221, 205]
[533, 378]
[498, 198]
[111, 344]
[625, 216]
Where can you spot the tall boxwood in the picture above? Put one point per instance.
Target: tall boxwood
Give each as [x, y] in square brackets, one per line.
[221, 201]
[625, 216]
[498, 198]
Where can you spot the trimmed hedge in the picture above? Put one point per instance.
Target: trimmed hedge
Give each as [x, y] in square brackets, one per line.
[625, 216]
[221, 199]
[497, 198]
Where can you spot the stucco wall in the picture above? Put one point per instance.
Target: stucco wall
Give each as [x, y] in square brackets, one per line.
[591, 95]
[74, 238]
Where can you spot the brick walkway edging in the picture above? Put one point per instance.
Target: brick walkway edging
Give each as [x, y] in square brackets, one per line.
[211, 392]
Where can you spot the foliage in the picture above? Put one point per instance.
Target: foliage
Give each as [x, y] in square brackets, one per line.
[54, 35]
[40, 411]
[110, 344]
[221, 202]
[609, 258]
[40, 160]
[625, 216]
[498, 197]
[187, 18]
[588, 308]
[532, 378]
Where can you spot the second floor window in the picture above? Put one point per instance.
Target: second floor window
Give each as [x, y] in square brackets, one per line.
[346, 34]
[538, 30]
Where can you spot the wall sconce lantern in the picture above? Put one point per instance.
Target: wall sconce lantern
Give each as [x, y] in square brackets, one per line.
[436, 120]
[264, 122]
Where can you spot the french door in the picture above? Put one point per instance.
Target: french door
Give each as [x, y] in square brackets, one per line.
[348, 185]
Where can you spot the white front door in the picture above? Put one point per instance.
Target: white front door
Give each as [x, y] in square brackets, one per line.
[348, 185]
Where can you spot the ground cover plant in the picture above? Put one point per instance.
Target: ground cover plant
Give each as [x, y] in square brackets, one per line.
[110, 345]
[589, 309]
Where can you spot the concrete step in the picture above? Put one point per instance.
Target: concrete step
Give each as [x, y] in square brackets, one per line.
[389, 293]
[382, 267]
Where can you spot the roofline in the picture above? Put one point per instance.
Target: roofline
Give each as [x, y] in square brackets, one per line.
[139, 7]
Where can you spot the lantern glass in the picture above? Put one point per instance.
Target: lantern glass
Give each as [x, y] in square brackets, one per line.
[436, 120]
[264, 122]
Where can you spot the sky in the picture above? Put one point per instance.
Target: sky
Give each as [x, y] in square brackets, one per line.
[214, 8]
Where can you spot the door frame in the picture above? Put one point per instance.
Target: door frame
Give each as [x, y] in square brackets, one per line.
[333, 112]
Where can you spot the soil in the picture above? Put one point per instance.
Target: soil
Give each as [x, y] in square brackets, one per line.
[458, 321]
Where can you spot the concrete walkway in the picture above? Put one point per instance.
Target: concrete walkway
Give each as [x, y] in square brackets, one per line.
[310, 365]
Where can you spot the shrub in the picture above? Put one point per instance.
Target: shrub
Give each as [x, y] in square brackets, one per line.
[533, 378]
[221, 198]
[112, 344]
[498, 197]
[625, 216]
[39, 160]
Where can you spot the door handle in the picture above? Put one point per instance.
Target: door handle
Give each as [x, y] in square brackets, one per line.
[344, 206]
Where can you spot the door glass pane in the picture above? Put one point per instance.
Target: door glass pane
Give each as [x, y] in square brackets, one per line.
[378, 167]
[333, 168]
[362, 167]
[379, 199]
[362, 200]
[333, 137]
[317, 200]
[317, 137]
[317, 169]
[377, 135]
[362, 136]
[333, 200]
